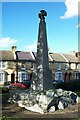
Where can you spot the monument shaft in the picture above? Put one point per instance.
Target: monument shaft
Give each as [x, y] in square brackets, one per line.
[44, 76]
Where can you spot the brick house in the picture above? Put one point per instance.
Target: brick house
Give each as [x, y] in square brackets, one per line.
[63, 66]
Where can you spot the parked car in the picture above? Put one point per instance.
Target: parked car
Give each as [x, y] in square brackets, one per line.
[15, 85]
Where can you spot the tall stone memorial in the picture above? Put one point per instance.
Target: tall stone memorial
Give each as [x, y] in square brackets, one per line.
[44, 76]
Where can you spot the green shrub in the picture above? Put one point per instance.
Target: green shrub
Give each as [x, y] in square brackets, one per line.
[78, 93]
[4, 90]
[72, 85]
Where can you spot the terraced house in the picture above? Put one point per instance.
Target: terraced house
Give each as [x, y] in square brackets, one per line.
[17, 65]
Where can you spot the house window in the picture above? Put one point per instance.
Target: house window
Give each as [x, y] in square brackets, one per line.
[76, 75]
[66, 66]
[58, 66]
[2, 64]
[19, 77]
[23, 76]
[1, 77]
[58, 75]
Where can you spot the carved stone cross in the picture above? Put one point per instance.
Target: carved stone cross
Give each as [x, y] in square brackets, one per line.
[42, 15]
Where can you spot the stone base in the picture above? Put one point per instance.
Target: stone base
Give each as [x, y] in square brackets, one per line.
[45, 101]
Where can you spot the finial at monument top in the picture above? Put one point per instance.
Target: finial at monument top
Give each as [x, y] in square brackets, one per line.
[42, 15]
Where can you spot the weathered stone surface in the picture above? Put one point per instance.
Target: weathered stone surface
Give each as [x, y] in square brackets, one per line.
[21, 103]
[61, 105]
[78, 99]
[52, 109]
[54, 102]
[73, 97]
[35, 108]
[44, 75]
[59, 92]
[50, 93]
[45, 101]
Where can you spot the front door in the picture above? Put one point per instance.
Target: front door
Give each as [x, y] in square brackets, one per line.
[12, 78]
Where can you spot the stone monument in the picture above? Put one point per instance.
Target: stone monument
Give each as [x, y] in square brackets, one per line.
[44, 76]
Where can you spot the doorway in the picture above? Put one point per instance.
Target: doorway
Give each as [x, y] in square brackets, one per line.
[12, 77]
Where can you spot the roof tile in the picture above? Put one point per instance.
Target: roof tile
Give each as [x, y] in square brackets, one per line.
[6, 55]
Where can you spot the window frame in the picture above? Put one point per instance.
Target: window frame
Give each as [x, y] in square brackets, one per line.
[58, 75]
[2, 64]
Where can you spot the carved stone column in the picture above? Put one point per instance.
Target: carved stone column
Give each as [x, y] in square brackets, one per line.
[44, 75]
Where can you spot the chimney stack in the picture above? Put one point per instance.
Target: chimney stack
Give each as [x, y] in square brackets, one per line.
[14, 48]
